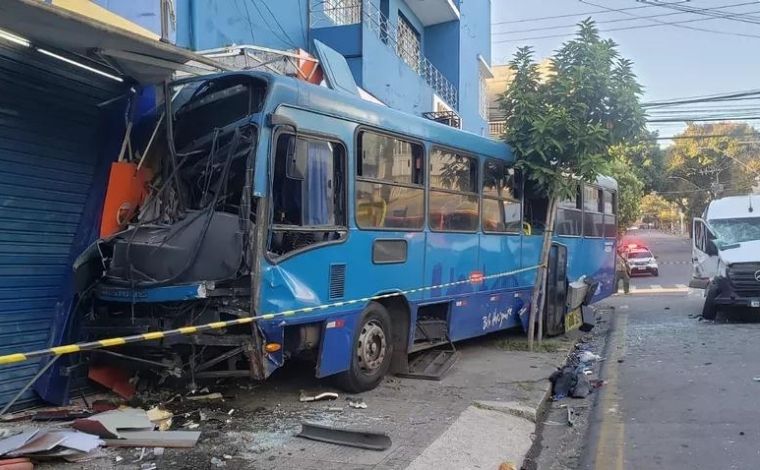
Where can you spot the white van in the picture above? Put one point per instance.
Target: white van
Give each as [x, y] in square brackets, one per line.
[726, 254]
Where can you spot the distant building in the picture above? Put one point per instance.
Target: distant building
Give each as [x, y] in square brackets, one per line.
[425, 57]
[495, 88]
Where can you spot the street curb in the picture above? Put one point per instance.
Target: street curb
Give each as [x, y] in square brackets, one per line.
[591, 440]
[513, 412]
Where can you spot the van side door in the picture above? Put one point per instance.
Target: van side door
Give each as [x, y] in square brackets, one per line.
[704, 253]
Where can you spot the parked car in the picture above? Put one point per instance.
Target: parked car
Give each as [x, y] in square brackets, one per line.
[641, 261]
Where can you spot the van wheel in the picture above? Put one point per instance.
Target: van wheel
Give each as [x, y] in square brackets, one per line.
[710, 310]
[656, 272]
[371, 352]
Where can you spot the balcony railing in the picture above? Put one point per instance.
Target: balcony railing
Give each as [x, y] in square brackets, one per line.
[497, 129]
[327, 13]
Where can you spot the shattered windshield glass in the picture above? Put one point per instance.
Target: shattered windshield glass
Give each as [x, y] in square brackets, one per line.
[730, 231]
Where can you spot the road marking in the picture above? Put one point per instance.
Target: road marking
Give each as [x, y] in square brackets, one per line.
[661, 290]
[682, 286]
[655, 286]
[610, 449]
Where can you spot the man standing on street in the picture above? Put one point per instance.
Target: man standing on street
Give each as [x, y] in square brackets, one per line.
[622, 273]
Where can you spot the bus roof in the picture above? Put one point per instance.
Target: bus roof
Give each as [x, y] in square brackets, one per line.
[298, 93]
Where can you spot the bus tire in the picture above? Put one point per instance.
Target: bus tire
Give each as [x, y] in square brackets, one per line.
[710, 309]
[371, 353]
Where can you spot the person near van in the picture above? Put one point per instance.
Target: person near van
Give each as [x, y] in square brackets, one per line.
[622, 273]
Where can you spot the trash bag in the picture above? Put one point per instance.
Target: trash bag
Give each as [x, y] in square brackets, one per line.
[582, 387]
[570, 382]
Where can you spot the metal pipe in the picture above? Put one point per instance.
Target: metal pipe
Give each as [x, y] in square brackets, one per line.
[29, 384]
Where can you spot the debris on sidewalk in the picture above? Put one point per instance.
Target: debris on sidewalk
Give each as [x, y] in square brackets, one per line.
[45, 445]
[30, 414]
[319, 397]
[113, 378]
[571, 416]
[507, 466]
[16, 464]
[109, 423]
[210, 396]
[345, 437]
[588, 357]
[572, 382]
[9, 444]
[357, 403]
[174, 439]
[161, 418]
[60, 415]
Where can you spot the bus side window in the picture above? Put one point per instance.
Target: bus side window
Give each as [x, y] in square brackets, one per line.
[569, 216]
[610, 214]
[593, 218]
[454, 192]
[308, 193]
[502, 211]
[390, 192]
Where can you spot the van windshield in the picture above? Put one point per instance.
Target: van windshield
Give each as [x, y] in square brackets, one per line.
[730, 231]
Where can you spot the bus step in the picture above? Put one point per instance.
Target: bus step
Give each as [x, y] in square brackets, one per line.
[431, 364]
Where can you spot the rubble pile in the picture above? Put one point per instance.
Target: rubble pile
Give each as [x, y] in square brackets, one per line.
[81, 433]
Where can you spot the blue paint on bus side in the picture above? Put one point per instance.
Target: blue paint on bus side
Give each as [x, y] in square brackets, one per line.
[302, 278]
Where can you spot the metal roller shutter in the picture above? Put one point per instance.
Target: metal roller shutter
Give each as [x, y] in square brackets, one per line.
[49, 148]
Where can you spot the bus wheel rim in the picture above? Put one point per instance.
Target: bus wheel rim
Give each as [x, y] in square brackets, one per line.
[372, 346]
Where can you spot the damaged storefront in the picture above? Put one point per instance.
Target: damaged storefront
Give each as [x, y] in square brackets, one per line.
[71, 86]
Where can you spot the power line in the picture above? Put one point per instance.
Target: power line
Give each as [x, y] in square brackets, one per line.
[706, 119]
[549, 28]
[707, 136]
[742, 94]
[570, 15]
[617, 20]
[646, 26]
[741, 17]
[675, 24]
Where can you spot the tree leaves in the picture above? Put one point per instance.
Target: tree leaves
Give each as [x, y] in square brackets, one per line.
[565, 122]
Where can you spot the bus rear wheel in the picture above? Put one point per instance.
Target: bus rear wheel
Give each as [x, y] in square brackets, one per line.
[371, 352]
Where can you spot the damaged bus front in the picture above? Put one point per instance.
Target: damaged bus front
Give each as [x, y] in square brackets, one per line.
[186, 256]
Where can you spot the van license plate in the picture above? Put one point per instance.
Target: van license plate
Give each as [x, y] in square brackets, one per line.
[754, 303]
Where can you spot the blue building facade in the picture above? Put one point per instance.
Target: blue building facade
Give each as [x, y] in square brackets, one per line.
[419, 56]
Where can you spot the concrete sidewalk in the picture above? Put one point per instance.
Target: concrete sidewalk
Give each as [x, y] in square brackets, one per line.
[480, 415]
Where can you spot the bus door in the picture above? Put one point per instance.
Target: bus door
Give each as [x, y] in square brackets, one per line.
[452, 252]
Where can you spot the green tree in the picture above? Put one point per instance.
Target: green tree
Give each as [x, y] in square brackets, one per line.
[658, 210]
[646, 158]
[562, 127]
[709, 161]
[630, 190]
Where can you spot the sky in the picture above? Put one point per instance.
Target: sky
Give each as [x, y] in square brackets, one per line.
[670, 61]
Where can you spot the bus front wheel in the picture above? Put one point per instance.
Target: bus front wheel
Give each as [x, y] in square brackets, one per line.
[371, 352]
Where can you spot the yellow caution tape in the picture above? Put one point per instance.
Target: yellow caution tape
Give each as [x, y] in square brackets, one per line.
[195, 329]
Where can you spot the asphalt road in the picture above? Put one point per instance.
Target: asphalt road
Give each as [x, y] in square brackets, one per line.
[680, 392]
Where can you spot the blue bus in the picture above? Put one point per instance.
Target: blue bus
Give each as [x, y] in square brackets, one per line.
[355, 234]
